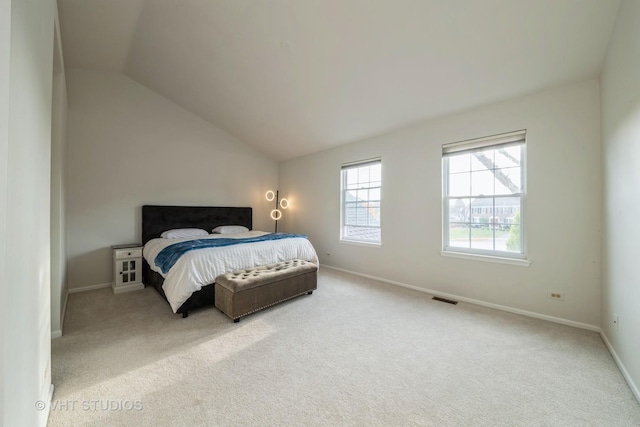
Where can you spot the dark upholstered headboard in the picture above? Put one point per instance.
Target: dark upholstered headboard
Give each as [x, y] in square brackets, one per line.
[156, 219]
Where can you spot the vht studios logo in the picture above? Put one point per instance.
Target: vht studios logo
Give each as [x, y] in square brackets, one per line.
[92, 405]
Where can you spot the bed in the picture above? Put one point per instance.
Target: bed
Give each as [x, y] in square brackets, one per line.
[189, 284]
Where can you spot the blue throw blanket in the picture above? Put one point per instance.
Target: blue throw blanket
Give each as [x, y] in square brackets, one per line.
[170, 255]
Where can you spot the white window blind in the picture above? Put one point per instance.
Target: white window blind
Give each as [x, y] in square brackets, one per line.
[497, 141]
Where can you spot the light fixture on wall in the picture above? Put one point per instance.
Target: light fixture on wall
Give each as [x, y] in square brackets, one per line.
[283, 203]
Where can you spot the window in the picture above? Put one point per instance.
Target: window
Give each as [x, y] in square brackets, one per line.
[360, 217]
[483, 186]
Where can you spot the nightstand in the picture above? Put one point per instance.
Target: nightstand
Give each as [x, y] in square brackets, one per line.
[127, 268]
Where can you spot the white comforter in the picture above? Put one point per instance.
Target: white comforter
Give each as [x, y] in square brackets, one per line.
[200, 267]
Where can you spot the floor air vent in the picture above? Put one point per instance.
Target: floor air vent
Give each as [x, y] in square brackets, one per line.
[449, 301]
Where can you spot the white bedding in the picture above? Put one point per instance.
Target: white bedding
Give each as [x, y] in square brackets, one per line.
[200, 267]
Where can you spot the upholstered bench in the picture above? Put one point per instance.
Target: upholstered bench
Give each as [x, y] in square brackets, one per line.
[243, 292]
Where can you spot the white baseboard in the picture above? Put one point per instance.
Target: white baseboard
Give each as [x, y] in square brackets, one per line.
[49, 402]
[477, 302]
[58, 332]
[90, 288]
[623, 369]
[64, 311]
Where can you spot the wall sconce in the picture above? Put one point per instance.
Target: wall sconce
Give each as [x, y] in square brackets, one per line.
[283, 203]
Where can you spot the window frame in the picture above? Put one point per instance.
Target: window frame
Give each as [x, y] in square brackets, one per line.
[343, 206]
[517, 138]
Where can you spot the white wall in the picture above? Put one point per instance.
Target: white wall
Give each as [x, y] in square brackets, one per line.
[58, 187]
[26, 322]
[129, 146]
[5, 90]
[563, 205]
[621, 142]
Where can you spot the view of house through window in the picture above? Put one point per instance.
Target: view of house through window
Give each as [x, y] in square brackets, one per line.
[361, 185]
[483, 183]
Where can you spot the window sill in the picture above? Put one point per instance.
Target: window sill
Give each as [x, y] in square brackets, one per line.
[360, 243]
[477, 257]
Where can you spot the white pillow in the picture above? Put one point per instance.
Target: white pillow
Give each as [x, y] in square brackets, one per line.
[179, 233]
[230, 229]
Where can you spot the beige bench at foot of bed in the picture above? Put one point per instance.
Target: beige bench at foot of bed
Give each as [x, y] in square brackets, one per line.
[243, 292]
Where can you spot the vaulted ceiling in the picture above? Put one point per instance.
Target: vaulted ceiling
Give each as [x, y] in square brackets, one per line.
[292, 77]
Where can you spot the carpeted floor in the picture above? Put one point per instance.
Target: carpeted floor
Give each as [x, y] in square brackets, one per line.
[356, 352]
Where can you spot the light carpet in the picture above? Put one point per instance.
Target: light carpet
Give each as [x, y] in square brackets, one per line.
[356, 352]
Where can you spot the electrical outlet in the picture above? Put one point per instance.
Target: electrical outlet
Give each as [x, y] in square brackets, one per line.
[556, 295]
[615, 321]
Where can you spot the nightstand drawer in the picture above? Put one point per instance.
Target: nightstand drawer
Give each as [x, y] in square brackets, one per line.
[128, 253]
